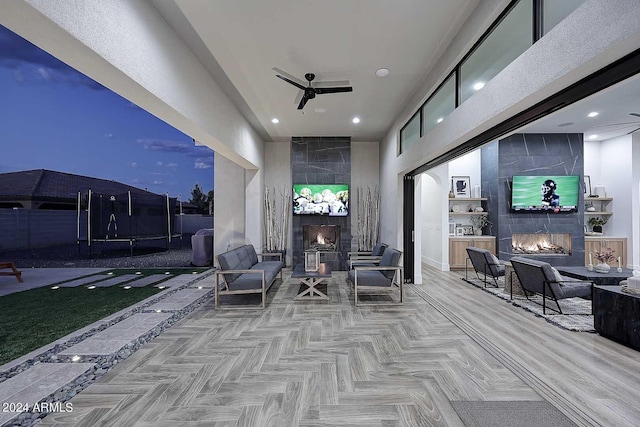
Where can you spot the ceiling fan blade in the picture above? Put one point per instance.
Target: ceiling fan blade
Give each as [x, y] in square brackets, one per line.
[303, 101]
[321, 90]
[290, 76]
[635, 114]
[296, 84]
[299, 96]
[331, 83]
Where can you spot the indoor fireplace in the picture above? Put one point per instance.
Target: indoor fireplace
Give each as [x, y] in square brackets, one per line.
[323, 238]
[541, 244]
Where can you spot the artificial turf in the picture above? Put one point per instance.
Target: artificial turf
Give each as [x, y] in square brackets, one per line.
[34, 318]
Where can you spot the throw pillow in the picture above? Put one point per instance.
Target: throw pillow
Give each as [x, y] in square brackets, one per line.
[495, 259]
[557, 276]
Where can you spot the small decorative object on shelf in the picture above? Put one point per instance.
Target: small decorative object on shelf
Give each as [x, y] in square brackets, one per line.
[604, 258]
[311, 260]
[479, 222]
[597, 222]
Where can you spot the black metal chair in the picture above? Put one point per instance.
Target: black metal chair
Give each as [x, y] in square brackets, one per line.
[484, 262]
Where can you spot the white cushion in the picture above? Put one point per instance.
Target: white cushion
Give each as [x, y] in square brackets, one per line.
[496, 261]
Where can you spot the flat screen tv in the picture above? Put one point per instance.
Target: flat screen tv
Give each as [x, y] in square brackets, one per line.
[545, 193]
[321, 199]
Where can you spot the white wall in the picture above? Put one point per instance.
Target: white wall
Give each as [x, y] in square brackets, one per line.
[610, 163]
[229, 208]
[128, 47]
[596, 34]
[365, 167]
[633, 244]
[277, 163]
[432, 219]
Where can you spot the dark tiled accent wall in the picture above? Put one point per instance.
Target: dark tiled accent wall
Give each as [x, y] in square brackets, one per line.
[533, 154]
[321, 160]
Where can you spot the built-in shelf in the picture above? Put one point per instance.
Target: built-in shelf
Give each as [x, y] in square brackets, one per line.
[468, 199]
[598, 213]
[598, 199]
[468, 213]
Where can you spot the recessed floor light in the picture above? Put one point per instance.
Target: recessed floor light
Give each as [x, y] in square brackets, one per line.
[91, 287]
[356, 120]
[382, 72]
[593, 114]
[75, 358]
[593, 136]
[320, 110]
[478, 86]
[127, 287]
[275, 121]
[55, 287]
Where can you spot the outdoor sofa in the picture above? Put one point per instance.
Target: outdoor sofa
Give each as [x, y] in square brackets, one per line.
[243, 274]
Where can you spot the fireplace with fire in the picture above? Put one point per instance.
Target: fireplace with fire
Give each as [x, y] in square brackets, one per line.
[323, 238]
[541, 244]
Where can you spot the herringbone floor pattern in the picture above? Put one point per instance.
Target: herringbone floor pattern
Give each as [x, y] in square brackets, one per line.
[306, 364]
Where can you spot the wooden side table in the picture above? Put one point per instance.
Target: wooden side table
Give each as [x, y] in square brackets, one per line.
[14, 271]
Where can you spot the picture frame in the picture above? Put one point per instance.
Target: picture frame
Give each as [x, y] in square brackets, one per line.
[587, 186]
[459, 231]
[467, 230]
[461, 186]
[452, 229]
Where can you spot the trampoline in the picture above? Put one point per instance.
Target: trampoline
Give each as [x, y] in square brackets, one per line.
[127, 217]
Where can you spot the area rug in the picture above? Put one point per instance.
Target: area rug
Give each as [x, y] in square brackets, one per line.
[510, 413]
[576, 311]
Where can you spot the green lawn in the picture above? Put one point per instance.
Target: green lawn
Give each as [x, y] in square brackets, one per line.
[34, 318]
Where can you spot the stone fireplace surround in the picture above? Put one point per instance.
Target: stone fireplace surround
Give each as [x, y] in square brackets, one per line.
[532, 154]
[321, 160]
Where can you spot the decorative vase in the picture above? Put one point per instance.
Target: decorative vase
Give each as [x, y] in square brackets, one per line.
[478, 231]
[597, 229]
[603, 267]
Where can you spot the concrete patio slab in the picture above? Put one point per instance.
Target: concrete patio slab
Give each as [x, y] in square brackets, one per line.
[36, 383]
[115, 280]
[117, 336]
[147, 280]
[179, 300]
[38, 277]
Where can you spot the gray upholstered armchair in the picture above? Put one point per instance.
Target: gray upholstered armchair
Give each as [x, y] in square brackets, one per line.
[485, 263]
[386, 278]
[541, 278]
[367, 258]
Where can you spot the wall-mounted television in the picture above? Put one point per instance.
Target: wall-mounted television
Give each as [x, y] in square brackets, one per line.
[545, 193]
[321, 199]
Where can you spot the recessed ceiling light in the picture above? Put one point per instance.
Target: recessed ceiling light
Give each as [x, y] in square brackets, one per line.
[320, 110]
[593, 114]
[440, 119]
[382, 72]
[593, 136]
[478, 86]
[275, 121]
[356, 120]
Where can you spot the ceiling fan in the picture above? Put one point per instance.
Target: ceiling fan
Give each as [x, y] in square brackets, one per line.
[310, 92]
[622, 126]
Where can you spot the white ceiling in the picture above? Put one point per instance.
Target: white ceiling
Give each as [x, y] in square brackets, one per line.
[242, 41]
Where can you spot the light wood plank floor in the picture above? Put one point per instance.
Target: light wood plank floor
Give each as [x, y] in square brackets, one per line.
[329, 364]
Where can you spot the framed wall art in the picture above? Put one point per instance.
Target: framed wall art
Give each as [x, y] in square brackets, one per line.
[461, 186]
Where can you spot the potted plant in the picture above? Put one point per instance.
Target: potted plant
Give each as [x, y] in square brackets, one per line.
[597, 223]
[604, 258]
[479, 222]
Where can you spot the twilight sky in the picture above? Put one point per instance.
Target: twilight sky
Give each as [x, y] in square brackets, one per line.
[53, 117]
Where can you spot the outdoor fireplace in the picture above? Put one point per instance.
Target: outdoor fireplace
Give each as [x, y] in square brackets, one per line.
[541, 244]
[323, 238]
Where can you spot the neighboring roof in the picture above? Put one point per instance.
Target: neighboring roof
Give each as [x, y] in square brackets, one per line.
[47, 184]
